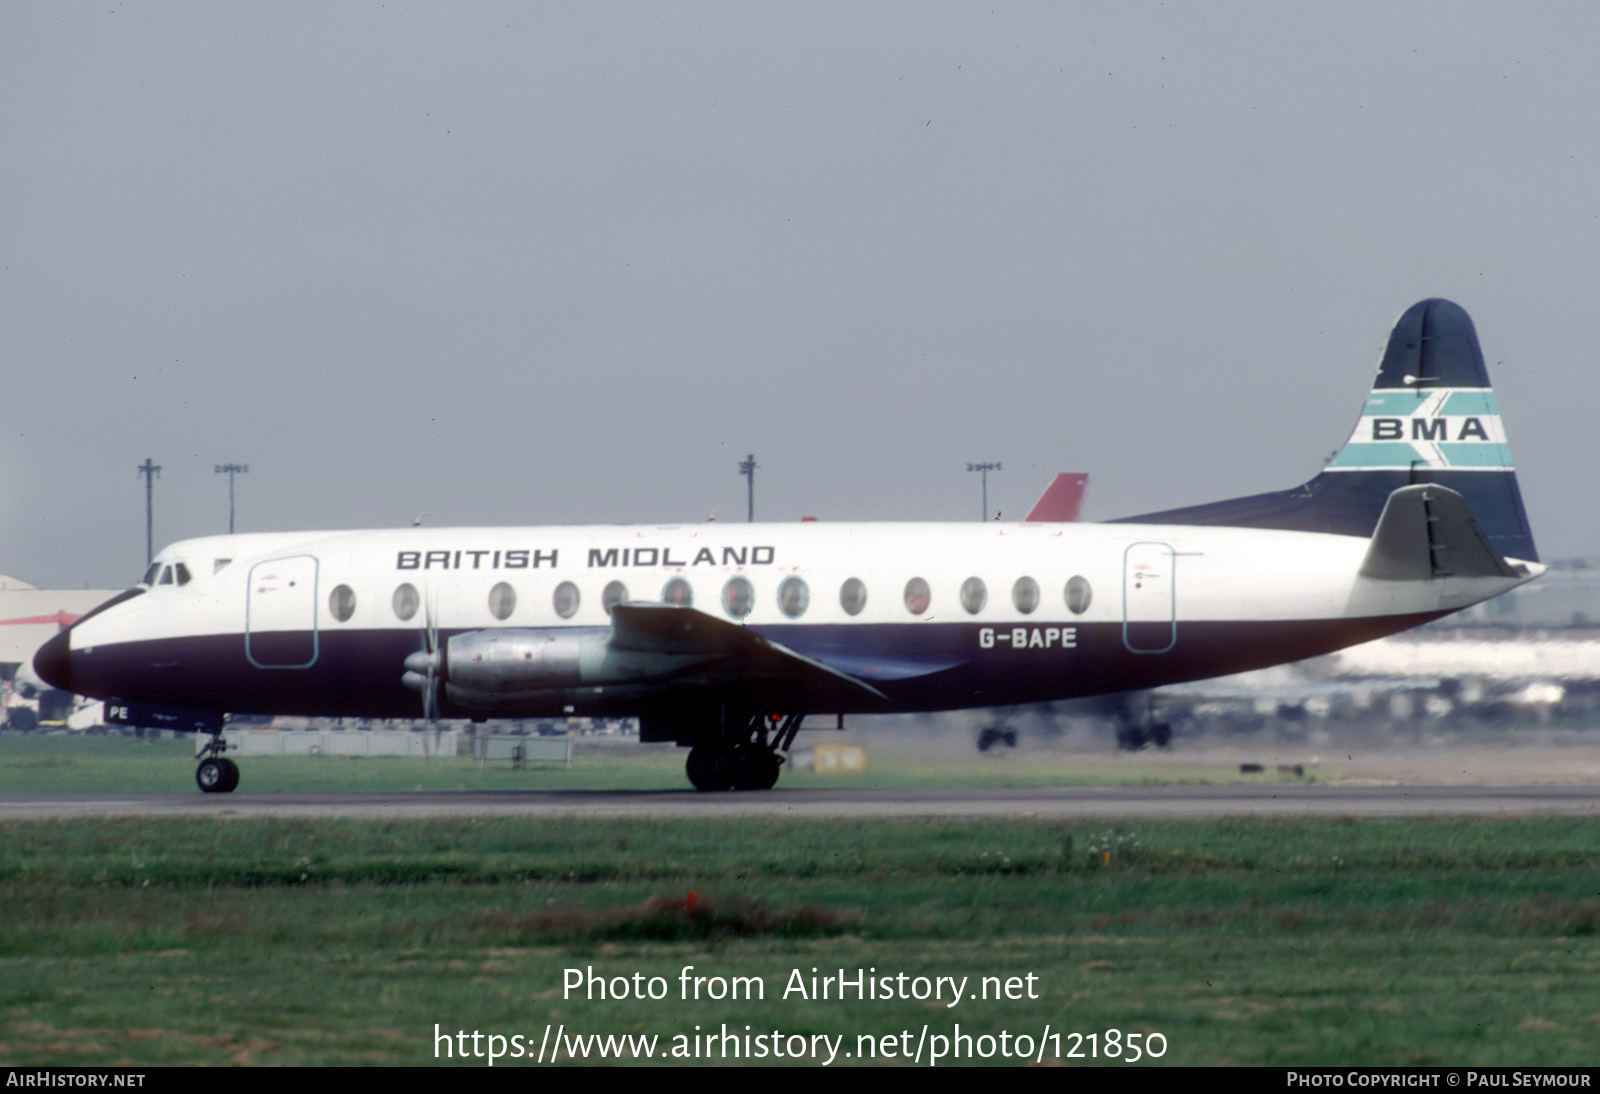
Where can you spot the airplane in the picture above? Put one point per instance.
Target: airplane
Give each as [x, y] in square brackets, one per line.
[723, 638]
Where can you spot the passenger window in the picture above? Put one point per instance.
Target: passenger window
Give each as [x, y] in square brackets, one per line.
[613, 594]
[1078, 595]
[342, 603]
[406, 602]
[738, 597]
[793, 597]
[502, 600]
[853, 596]
[565, 599]
[918, 596]
[1025, 595]
[974, 595]
[677, 591]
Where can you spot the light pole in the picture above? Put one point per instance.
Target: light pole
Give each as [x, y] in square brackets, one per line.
[150, 471]
[230, 470]
[985, 468]
[747, 468]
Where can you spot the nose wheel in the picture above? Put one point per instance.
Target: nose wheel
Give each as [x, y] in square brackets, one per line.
[216, 774]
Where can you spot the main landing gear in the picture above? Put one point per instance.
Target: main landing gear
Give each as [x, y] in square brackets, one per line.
[1132, 736]
[745, 755]
[217, 774]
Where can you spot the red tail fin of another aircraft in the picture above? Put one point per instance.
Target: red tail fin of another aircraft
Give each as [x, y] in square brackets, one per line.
[1061, 500]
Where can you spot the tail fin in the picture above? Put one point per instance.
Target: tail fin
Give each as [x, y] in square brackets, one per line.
[1061, 500]
[1431, 418]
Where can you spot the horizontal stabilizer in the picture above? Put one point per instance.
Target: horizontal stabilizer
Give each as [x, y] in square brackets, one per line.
[1429, 532]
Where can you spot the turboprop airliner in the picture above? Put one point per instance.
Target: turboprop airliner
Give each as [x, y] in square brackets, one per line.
[724, 637]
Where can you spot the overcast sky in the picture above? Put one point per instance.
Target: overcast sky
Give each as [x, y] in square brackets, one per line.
[552, 263]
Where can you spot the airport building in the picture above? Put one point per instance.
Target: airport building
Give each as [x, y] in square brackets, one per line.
[29, 616]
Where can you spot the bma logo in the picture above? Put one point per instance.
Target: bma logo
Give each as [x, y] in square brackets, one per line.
[1427, 429]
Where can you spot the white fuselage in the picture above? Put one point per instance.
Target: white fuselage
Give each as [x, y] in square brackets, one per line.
[964, 614]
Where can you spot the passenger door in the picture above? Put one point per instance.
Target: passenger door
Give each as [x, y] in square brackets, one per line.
[1149, 598]
[280, 630]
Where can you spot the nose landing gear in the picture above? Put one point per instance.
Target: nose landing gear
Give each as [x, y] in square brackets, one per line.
[217, 774]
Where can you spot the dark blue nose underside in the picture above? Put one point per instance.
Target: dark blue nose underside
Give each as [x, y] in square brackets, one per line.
[53, 662]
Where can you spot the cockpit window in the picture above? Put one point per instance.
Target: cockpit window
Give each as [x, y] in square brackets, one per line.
[150, 574]
[218, 564]
[166, 575]
[183, 574]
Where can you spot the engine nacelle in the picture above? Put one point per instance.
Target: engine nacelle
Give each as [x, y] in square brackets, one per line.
[487, 668]
[522, 660]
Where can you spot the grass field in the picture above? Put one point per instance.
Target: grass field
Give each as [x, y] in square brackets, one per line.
[344, 942]
[36, 763]
[309, 942]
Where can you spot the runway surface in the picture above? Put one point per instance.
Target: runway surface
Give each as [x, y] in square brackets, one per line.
[1274, 800]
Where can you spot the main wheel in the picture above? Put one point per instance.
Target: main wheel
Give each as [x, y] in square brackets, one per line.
[1131, 737]
[212, 775]
[231, 782]
[710, 767]
[755, 768]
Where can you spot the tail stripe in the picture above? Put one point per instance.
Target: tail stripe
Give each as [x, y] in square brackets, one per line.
[1444, 428]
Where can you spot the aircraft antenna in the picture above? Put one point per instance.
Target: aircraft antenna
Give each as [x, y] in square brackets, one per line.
[151, 472]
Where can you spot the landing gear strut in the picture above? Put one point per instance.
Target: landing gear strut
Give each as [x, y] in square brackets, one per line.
[217, 774]
[745, 753]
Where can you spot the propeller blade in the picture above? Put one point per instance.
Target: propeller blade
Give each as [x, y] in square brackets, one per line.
[430, 695]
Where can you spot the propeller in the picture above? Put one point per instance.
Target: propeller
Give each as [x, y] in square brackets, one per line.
[422, 667]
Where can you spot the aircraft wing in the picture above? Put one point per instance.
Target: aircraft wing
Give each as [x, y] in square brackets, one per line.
[679, 631]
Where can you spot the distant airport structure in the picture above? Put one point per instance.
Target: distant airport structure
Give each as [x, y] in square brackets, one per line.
[1568, 595]
[31, 616]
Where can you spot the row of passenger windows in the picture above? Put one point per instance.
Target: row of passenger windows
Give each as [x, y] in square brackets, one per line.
[738, 597]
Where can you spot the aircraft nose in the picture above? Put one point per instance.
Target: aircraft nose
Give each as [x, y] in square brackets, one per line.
[53, 662]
